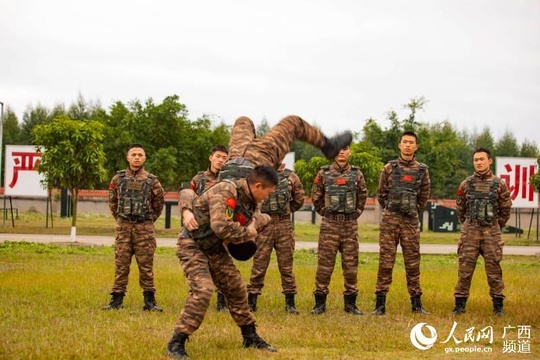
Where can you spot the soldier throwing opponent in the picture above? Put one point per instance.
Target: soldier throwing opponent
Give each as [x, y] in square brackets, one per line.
[225, 214]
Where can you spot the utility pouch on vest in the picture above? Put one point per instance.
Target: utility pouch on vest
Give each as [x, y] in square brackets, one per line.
[403, 202]
[235, 169]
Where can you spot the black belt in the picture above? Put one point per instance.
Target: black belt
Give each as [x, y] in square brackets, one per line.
[279, 216]
[341, 217]
[134, 221]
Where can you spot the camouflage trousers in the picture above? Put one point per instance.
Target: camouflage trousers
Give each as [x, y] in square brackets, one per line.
[134, 239]
[204, 273]
[396, 229]
[271, 148]
[279, 235]
[480, 240]
[337, 236]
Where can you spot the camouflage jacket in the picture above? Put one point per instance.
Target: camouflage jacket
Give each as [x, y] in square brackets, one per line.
[203, 180]
[319, 188]
[217, 204]
[386, 183]
[504, 200]
[156, 199]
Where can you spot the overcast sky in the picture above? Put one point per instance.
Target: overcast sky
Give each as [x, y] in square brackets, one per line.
[334, 63]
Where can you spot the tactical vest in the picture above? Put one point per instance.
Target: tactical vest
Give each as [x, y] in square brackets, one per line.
[278, 202]
[201, 183]
[235, 169]
[134, 197]
[403, 193]
[205, 237]
[340, 191]
[482, 204]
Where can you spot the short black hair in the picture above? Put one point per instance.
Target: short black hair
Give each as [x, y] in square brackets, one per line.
[264, 174]
[483, 149]
[409, 133]
[133, 146]
[220, 148]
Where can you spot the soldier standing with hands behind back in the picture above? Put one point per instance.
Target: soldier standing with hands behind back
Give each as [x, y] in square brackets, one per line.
[404, 187]
[136, 200]
[339, 195]
[287, 198]
[483, 207]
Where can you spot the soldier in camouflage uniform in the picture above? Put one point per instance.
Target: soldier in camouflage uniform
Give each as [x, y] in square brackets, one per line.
[339, 195]
[278, 234]
[404, 187]
[206, 179]
[136, 200]
[225, 214]
[483, 207]
[246, 150]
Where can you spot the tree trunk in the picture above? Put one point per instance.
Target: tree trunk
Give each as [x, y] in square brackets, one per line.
[74, 202]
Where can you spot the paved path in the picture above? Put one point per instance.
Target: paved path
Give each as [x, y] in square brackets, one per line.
[171, 242]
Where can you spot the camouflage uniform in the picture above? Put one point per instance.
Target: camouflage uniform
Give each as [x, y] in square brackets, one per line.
[483, 207]
[404, 188]
[200, 183]
[339, 226]
[135, 234]
[203, 180]
[275, 144]
[213, 267]
[278, 234]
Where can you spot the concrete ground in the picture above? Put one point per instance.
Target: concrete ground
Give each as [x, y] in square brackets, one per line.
[171, 242]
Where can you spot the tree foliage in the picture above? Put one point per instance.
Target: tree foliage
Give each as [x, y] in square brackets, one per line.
[72, 155]
[177, 147]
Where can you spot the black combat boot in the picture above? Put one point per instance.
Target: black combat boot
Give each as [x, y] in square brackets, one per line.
[498, 306]
[176, 347]
[460, 306]
[221, 305]
[380, 305]
[150, 302]
[320, 304]
[350, 304]
[116, 302]
[416, 303]
[332, 146]
[252, 339]
[290, 307]
[252, 302]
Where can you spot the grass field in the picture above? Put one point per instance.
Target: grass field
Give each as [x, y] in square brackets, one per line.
[51, 298]
[103, 224]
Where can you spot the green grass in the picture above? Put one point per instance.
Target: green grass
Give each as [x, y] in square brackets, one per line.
[103, 224]
[51, 298]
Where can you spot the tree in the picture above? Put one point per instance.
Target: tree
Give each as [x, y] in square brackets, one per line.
[262, 128]
[535, 179]
[507, 145]
[72, 156]
[529, 149]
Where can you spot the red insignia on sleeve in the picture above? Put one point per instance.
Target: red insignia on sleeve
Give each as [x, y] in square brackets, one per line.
[111, 186]
[192, 187]
[459, 192]
[240, 218]
[341, 181]
[231, 203]
[407, 178]
[316, 181]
